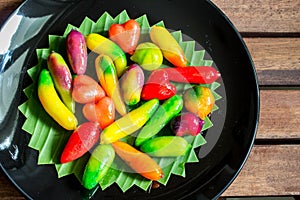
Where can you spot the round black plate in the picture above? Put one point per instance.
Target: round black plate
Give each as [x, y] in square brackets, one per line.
[235, 123]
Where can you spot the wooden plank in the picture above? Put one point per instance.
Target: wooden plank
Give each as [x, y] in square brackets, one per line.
[279, 114]
[7, 190]
[270, 170]
[280, 16]
[273, 169]
[277, 60]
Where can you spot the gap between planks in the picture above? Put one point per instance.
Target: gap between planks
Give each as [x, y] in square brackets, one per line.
[276, 60]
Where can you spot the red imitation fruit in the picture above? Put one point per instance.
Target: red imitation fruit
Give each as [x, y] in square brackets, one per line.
[86, 90]
[158, 86]
[187, 124]
[193, 74]
[81, 141]
[126, 35]
[102, 112]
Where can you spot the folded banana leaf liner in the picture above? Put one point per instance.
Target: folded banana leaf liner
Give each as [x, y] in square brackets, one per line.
[49, 139]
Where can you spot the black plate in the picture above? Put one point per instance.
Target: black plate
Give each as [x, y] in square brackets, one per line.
[235, 123]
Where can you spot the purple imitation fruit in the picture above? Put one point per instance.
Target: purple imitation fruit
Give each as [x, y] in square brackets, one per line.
[77, 51]
[187, 124]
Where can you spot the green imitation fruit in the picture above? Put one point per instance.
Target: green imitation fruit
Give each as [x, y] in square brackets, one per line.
[165, 146]
[148, 56]
[100, 161]
[129, 123]
[48, 136]
[169, 109]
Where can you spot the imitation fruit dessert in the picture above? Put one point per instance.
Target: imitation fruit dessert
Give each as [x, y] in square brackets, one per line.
[119, 101]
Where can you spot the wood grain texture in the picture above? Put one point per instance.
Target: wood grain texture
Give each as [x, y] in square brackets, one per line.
[7, 190]
[280, 16]
[279, 114]
[277, 60]
[270, 170]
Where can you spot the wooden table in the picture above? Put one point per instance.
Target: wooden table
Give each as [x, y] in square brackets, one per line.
[271, 30]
